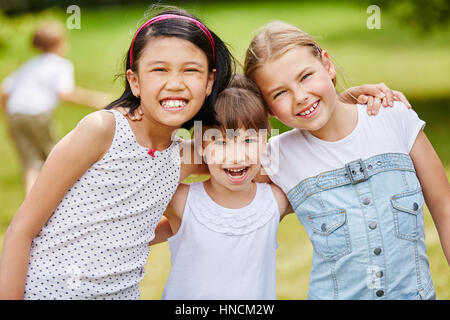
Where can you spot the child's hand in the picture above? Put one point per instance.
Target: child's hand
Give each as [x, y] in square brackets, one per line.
[374, 95]
[374, 103]
[136, 116]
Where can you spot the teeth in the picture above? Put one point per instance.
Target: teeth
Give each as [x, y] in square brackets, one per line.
[310, 109]
[236, 170]
[173, 103]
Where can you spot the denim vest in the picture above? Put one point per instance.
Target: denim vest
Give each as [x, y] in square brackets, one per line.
[365, 222]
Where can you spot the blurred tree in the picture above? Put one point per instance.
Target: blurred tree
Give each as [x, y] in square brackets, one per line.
[421, 14]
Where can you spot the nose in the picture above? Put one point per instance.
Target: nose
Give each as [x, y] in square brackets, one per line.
[236, 153]
[300, 96]
[175, 82]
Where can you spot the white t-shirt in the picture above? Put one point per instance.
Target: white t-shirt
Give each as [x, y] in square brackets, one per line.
[220, 253]
[296, 155]
[34, 87]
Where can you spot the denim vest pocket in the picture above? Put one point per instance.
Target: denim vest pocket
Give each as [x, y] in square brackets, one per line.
[330, 237]
[407, 208]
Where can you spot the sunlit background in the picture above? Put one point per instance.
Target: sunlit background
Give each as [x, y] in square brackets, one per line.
[408, 48]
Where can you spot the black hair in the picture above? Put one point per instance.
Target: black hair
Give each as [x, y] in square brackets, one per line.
[180, 28]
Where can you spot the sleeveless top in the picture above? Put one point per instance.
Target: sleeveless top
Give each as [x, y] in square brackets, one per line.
[221, 253]
[96, 243]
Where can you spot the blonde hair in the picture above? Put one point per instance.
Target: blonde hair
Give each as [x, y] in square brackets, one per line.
[274, 40]
[48, 35]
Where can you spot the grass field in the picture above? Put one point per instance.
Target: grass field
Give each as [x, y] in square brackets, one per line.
[416, 64]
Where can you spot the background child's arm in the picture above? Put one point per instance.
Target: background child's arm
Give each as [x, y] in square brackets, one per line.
[95, 99]
[435, 186]
[69, 159]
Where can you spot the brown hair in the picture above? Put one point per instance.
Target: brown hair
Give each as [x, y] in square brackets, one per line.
[274, 40]
[241, 105]
[48, 35]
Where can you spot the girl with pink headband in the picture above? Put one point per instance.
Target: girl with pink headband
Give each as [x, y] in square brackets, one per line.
[83, 232]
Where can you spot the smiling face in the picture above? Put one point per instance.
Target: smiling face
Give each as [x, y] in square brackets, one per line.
[172, 80]
[233, 160]
[298, 88]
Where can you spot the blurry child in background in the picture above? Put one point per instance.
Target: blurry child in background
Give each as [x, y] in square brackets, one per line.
[30, 94]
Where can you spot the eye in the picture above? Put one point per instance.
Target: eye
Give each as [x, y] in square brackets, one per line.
[220, 142]
[158, 70]
[191, 70]
[306, 76]
[278, 94]
[250, 140]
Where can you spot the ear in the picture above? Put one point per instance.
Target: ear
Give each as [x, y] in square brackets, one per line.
[328, 64]
[211, 79]
[133, 80]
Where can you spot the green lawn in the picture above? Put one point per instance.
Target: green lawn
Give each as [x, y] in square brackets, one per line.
[415, 64]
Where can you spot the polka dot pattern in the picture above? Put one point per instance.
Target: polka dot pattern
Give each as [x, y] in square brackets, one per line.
[95, 245]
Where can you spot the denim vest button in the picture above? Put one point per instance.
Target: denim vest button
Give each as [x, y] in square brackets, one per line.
[366, 201]
[373, 225]
[369, 167]
[324, 227]
[379, 163]
[380, 293]
[415, 206]
[379, 274]
[377, 251]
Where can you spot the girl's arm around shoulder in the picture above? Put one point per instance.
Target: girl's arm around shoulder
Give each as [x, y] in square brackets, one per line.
[283, 203]
[435, 186]
[68, 161]
[171, 221]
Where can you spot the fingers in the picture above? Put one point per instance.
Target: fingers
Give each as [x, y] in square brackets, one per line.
[399, 96]
[369, 105]
[374, 106]
[137, 115]
[133, 117]
[122, 110]
[388, 95]
[362, 99]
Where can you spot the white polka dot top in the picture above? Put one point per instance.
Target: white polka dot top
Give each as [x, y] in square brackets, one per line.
[96, 243]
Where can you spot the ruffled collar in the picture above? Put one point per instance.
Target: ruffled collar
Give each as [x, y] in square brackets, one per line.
[232, 221]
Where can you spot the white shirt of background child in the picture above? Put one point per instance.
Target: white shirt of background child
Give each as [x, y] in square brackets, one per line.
[34, 87]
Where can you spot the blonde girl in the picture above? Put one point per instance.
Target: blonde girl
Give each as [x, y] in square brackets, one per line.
[357, 183]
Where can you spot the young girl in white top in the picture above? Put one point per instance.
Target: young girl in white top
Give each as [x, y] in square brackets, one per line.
[355, 182]
[226, 228]
[83, 232]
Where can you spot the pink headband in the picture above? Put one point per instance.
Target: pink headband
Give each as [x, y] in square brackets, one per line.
[172, 16]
